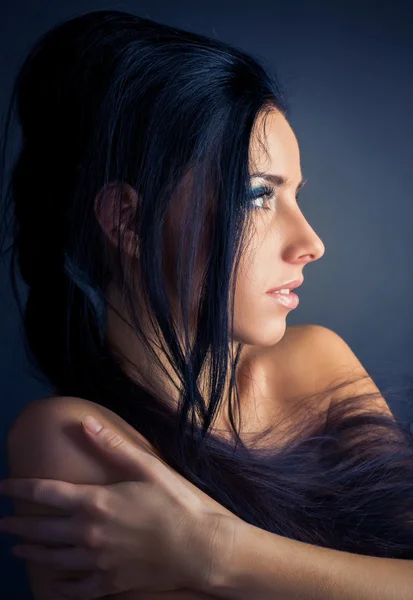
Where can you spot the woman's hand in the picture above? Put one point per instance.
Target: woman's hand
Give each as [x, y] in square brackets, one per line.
[155, 533]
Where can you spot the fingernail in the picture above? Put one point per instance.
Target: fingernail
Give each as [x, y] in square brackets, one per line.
[92, 424]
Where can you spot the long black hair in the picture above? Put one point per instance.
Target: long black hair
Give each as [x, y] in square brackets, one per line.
[106, 98]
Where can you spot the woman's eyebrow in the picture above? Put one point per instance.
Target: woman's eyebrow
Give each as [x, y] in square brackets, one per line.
[277, 179]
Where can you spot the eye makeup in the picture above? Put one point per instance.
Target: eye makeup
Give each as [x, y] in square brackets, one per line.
[261, 192]
[266, 193]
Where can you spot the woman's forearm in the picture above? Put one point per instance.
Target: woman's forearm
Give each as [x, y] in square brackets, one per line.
[267, 566]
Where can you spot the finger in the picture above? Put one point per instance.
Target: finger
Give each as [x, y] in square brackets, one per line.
[70, 559]
[89, 588]
[140, 462]
[53, 530]
[59, 494]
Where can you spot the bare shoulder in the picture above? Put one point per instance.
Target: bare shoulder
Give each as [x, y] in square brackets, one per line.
[314, 355]
[48, 427]
[46, 442]
[322, 359]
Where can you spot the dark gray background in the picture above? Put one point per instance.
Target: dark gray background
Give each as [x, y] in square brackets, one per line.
[348, 69]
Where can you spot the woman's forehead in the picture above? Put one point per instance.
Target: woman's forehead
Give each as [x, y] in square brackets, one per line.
[274, 147]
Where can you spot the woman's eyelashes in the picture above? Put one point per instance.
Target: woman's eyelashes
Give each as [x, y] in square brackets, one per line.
[264, 194]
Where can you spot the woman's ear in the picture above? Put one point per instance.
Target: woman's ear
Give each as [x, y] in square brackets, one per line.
[115, 208]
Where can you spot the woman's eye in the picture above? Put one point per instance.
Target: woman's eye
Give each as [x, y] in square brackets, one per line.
[260, 196]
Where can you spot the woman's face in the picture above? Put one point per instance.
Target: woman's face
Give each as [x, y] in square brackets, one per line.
[282, 240]
[281, 244]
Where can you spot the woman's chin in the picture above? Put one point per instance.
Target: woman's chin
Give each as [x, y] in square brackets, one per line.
[264, 337]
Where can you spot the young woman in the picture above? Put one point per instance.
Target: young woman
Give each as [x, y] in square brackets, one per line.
[155, 213]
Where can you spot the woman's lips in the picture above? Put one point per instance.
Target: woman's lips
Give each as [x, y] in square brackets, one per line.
[290, 300]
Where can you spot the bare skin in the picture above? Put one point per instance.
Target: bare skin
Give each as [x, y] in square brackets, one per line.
[282, 244]
[269, 371]
[286, 356]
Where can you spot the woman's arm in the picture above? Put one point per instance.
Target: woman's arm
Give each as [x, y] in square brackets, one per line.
[264, 566]
[44, 442]
[247, 562]
[47, 444]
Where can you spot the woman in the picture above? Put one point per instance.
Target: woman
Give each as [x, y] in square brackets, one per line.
[155, 200]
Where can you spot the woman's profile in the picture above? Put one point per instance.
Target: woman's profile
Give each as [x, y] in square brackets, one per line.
[158, 228]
